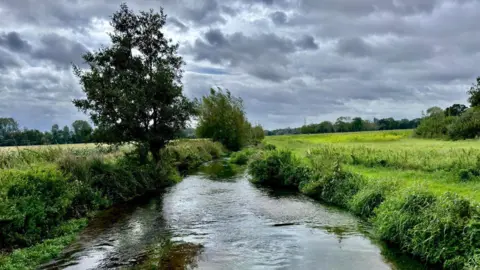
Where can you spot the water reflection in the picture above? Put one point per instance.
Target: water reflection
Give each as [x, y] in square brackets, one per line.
[219, 220]
[221, 170]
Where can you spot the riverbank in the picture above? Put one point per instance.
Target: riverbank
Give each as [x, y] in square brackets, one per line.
[419, 194]
[216, 219]
[48, 194]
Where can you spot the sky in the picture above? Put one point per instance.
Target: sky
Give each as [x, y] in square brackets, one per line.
[290, 61]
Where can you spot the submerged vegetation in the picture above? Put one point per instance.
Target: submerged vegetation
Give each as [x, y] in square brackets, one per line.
[422, 195]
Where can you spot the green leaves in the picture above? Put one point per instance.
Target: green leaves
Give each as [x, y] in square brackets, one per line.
[133, 88]
[221, 117]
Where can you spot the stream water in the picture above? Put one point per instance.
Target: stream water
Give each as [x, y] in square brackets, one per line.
[217, 219]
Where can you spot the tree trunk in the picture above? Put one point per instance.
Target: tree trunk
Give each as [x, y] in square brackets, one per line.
[155, 150]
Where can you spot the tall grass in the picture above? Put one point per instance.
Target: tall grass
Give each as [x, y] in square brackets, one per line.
[42, 189]
[423, 215]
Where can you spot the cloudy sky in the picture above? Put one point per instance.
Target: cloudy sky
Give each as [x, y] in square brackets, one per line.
[290, 60]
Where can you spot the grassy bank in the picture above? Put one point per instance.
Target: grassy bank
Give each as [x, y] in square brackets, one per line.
[420, 194]
[46, 193]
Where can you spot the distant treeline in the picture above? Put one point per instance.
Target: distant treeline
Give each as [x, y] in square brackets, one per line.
[79, 132]
[11, 135]
[456, 122]
[348, 124]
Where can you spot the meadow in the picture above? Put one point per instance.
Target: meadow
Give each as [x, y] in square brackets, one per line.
[422, 195]
[439, 166]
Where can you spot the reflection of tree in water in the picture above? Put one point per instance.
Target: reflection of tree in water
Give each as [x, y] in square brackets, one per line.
[169, 255]
[181, 256]
[340, 231]
[220, 170]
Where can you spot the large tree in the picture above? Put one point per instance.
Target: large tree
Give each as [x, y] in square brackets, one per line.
[133, 87]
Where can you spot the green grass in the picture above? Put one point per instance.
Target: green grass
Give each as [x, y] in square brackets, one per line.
[31, 257]
[395, 156]
[44, 189]
[423, 195]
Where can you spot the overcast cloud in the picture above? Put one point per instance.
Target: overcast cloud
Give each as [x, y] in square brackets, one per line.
[289, 60]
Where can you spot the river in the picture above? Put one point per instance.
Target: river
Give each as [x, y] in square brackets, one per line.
[216, 219]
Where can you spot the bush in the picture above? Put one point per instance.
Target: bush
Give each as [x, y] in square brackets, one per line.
[269, 147]
[279, 169]
[242, 157]
[189, 154]
[435, 125]
[467, 126]
[36, 202]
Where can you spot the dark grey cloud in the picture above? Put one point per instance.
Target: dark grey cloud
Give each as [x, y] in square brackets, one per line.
[60, 50]
[263, 55]
[354, 46]
[288, 60]
[245, 51]
[307, 42]
[8, 60]
[178, 24]
[279, 17]
[14, 42]
[229, 11]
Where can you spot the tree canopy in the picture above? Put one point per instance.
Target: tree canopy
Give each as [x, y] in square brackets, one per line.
[133, 87]
[474, 93]
[222, 118]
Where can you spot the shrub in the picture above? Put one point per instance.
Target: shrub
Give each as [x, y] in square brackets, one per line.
[467, 126]
[279, 169]
[242, 157]
[434, 125]
[187, 155]
[36, 202]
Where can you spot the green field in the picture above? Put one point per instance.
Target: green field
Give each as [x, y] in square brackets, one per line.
[395, 156]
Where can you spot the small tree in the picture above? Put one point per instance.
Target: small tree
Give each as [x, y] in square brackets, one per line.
[474, 93]
[133, 87]
[257, 134]
[222, 118]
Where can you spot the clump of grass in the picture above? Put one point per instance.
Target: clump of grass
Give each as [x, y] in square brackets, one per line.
[369, 197]
[279, 169]
[442, 229]
[29, 258]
